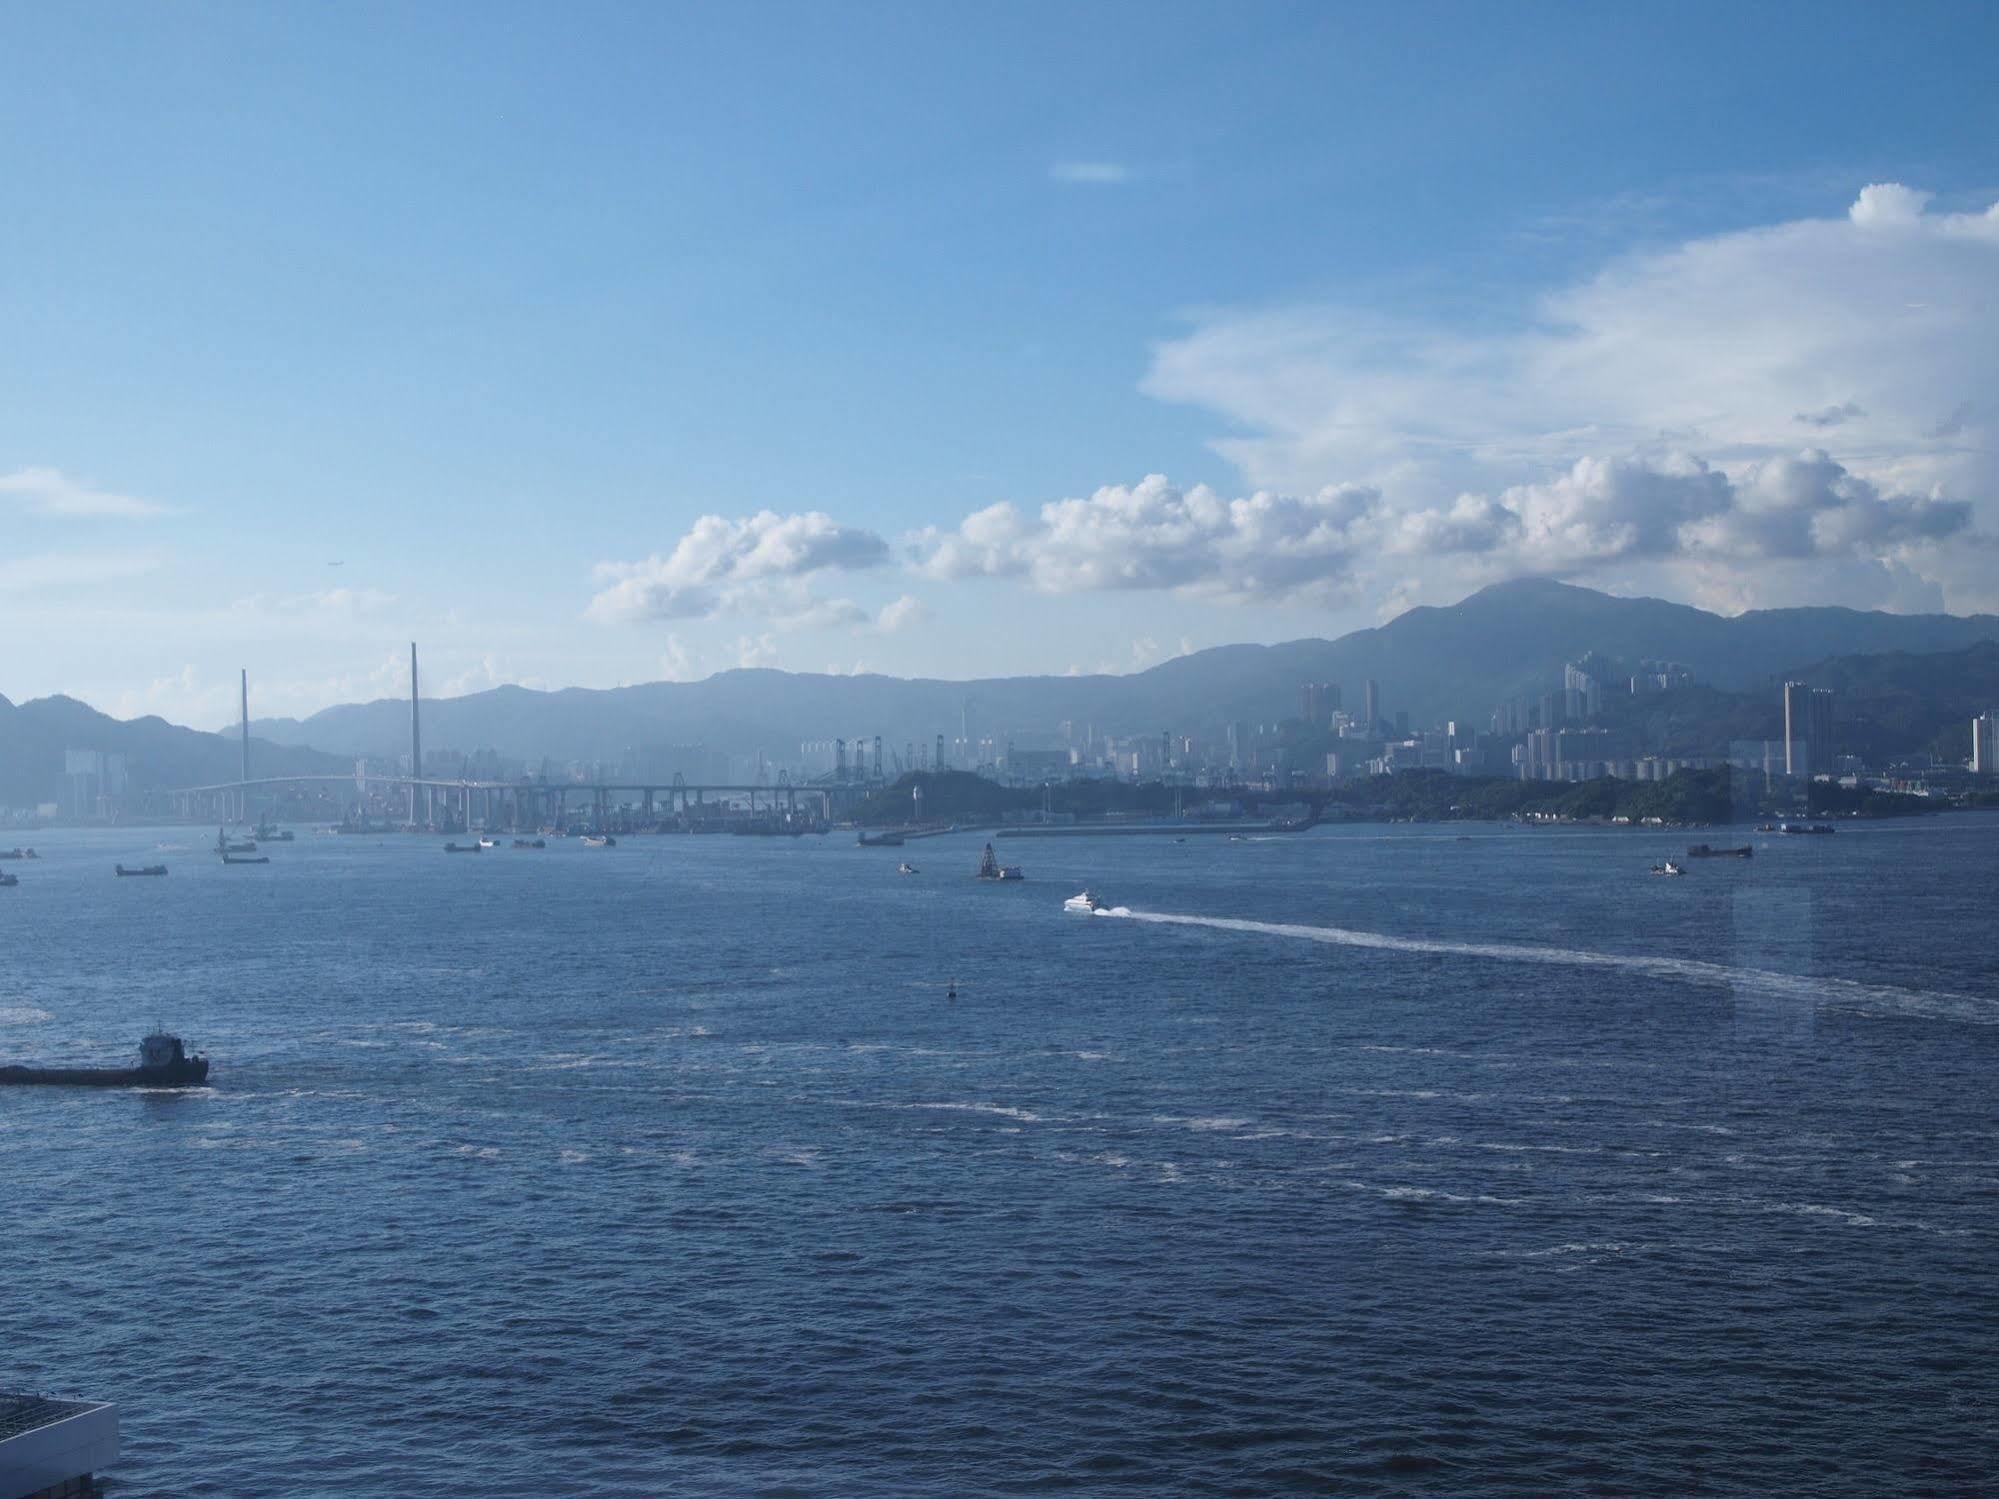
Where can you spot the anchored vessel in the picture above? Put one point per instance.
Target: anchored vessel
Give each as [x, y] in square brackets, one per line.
[990, 868]
[144, 869]
[163, 1063]
[1706, 851]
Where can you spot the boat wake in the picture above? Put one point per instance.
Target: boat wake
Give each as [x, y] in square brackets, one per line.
[1849, 993]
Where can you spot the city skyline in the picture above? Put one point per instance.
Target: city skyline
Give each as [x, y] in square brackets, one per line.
[1087, 384]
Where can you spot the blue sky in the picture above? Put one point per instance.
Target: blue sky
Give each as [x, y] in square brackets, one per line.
[492, 304]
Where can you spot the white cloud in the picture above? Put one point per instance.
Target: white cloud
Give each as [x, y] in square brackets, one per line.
[327, 602]
[901, 614]
[676, 663]
[52, 492]
[1155, 535]
[723, 566]
[1882, 323]
[488, 672]
[756, 650]
[1090, 173]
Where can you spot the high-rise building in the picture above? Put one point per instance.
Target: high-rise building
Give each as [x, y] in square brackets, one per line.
[1807, 729]
[1370, 704]
[1316, 702]
[1985, 744]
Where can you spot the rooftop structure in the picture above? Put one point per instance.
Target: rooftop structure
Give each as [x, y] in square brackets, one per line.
[51, 1447]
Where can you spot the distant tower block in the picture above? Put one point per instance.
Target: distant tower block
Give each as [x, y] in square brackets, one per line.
[416, 736]
[938, 763]
[916, 800]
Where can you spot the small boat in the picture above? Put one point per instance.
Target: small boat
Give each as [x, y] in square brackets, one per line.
[488, 843]
[163, 1063]
[1707, 851]
[143, 870]
[905, 868]
[1819, 829]
[530, 843]
[7, 881]
[18, 853]
[605, 841]
[462, 848]
[1669, 867]
[990, 868]
[1085, 903]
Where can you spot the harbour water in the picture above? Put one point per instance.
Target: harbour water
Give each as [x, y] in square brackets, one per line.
[1373, 1159]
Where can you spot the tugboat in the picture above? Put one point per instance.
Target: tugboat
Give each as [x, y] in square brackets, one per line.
[163, 1063]
[1086, 903]
[146, 869]
[990, 868]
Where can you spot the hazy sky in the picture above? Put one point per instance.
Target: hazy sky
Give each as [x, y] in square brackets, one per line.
[589, 344]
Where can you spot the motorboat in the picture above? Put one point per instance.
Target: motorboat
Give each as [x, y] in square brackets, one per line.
[1669, 867]
[488, 843]
[905, 868]
[1087, 903]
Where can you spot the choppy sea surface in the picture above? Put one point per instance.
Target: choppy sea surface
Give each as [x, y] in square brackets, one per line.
[1377, 1159]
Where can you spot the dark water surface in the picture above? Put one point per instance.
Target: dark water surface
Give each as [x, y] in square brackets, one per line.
[1415, 1164]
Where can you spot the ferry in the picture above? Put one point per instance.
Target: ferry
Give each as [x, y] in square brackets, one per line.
[1086, 903]
[163, 1063]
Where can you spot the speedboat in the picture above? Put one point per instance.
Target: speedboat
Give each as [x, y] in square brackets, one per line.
[1087, 903]
[1669, 867]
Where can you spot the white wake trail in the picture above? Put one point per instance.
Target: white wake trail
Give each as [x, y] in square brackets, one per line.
[1932, 1003]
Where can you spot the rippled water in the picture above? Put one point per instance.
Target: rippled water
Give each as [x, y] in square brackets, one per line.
[1369, 1160]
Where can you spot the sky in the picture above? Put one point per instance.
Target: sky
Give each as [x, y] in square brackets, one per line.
[598, 344]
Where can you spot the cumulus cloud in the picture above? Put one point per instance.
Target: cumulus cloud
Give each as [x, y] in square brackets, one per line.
[1881, 323]
[51, 492]
[902, 614]
[1268, 547]
[722, 566]
[1156, 535]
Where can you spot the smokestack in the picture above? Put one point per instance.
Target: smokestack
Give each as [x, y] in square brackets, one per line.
[416, 735]
[246, 726]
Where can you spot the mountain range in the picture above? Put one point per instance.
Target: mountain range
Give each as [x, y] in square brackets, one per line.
[1505, 641]
[34, 737]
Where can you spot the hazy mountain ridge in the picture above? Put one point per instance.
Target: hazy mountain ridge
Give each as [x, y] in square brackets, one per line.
[1456, 661]
[35, 735]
